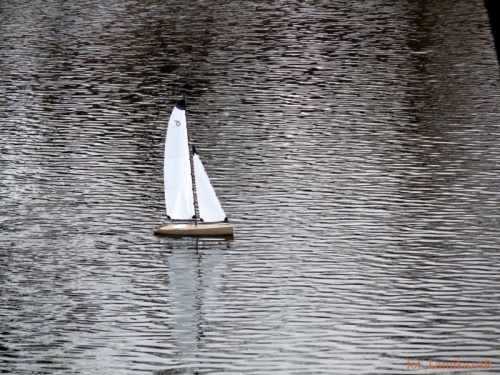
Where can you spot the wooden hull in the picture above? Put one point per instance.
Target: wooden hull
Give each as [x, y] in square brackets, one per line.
[214, 229]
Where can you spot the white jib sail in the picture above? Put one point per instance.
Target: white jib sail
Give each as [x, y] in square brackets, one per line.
[208, 204]
[177, 168]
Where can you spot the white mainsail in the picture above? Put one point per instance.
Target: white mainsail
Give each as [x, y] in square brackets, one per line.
[177, 167]
[208, 204]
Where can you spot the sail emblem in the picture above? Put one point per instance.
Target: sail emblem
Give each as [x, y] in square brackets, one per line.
[177, 122]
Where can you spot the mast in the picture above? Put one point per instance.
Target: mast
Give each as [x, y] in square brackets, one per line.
[195, 200]
[191, 153]
[193, 183]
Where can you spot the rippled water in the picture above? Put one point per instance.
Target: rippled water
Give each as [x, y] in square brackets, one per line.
[354, 145]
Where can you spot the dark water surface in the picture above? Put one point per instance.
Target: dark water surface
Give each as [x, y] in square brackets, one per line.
[355, 145]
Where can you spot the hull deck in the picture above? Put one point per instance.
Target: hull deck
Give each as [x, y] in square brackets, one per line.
[213, 229]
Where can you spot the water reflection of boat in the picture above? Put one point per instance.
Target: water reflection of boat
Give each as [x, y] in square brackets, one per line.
[194, 279]
[189, 195]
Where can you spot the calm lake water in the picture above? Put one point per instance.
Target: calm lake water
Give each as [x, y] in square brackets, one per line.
[355, 146]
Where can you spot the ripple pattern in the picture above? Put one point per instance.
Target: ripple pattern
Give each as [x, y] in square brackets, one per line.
[354, 145]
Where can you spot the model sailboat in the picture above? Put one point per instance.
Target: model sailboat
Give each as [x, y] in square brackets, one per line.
[190, 198]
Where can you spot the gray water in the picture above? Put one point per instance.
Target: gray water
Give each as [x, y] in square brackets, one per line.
[354, 145]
